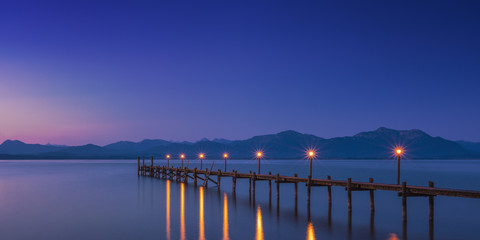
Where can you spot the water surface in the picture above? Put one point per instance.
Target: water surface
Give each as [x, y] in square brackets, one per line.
[105, 199]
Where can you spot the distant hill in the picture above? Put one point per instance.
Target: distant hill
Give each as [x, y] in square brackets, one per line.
[133, 147]
[472, 146]
[15, 147]
[290, 144]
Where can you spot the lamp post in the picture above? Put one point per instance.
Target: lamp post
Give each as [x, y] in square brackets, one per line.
[182, 156]
[398, 151]
[168, 160]
[259, 156]
[201, 156]
[311, 154]
[225, 156]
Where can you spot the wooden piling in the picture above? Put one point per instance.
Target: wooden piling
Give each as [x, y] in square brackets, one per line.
[372, 197]
[278, 190]
[349, 194]
[329, 188]
[372, 224]
[430, 213]
[138, 166]
[151, 166]
[195, 177]
[253, 185]
[219, 176]
[430, 204]
[309, 190]
[185, 174]
[250, 186]
[269, 191]
[404, 201]
[234, 181]
[296, 195]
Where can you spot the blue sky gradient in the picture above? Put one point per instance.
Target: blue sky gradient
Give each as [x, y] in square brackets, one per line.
[76, 72]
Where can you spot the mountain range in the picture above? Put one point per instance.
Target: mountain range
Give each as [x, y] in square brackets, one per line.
[377, 144]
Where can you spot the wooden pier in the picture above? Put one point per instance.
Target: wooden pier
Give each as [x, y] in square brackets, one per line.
[403, 190]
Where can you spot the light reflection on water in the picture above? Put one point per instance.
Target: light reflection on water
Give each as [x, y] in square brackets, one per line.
[393, 236]
[168, 209]
[201, 227]
[310, 231]
[259, 229]
[225, 217]
[182, 211]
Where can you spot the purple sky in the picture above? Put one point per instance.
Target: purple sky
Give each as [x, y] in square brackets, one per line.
[76, 72]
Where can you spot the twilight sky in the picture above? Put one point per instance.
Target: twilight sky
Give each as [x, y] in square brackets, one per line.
[77, 72]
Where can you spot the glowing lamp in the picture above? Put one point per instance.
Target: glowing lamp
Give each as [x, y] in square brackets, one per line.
[311, 153]
[259, 156]
[225, 156]
[182, 156]
[201, 155]
[168, 156]
[398, 151]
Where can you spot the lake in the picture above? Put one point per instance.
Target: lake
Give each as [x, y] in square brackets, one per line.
[105, 199]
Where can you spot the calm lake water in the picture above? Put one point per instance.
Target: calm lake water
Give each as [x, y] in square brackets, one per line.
[105, 199]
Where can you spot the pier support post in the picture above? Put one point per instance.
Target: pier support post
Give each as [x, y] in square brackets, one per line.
[329, 188]
[404, 210]
[270, 191]
[296, 195]
[195, 177]
[372, 197]
[151, 166]
[253, 187]
[349, 194]
[219, 177]
[404, 201]
[234, 181]
[430, 213]
[309, 190]
[250, 186]
[278, 192]
[138, 166]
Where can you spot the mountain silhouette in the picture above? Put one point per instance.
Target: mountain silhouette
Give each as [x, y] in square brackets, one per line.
[377, 144]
